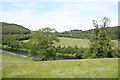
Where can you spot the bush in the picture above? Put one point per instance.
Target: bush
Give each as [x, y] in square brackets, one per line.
[86, 54]
[37, 59]
[93, 55]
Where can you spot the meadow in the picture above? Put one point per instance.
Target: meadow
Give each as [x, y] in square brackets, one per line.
[16, 66]
[77, 42]
[0, 65]
[71, 42]
[43, 65]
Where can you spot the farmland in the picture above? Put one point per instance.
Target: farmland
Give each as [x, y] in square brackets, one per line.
[77, 42]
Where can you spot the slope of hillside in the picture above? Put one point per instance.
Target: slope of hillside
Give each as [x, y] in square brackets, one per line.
[15, 67]
[9, 28]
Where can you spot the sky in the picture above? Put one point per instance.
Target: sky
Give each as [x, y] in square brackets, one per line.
[62, 15]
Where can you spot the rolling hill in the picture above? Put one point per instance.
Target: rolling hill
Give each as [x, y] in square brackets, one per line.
[75, 33]
[10, 28]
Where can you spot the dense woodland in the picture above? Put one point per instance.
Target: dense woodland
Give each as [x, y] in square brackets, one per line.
[40, 43]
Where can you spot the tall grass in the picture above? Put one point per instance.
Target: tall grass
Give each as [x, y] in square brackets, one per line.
[0, 64]
[16, 67]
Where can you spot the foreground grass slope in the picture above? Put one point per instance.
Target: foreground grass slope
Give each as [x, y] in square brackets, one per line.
[0, 65]
[17, 67]
[77, 42]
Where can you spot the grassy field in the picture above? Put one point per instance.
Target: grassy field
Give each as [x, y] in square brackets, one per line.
[77, 42]
[0, 65]
[19, 67]
[72, 42]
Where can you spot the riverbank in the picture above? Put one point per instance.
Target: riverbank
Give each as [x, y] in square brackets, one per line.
[59, 56]
[5, 47]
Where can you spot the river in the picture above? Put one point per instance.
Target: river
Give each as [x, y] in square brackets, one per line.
[25, 54]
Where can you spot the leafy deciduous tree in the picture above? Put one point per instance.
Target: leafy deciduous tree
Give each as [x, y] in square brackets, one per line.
[42, 43]
[100, 42]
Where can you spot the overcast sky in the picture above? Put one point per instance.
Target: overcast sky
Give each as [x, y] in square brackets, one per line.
[61, 15]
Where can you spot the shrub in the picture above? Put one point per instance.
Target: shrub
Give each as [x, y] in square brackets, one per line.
[93, 55]
[37, 59]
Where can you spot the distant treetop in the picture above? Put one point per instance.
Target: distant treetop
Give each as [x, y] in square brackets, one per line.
[75, 30]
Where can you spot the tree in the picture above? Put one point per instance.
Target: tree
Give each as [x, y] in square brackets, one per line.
[42, 43]
[100, 45]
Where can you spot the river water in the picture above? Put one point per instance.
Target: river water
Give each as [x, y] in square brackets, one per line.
[25, 54]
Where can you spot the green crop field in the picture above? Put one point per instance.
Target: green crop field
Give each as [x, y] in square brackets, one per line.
[77, 42]
[15, 66]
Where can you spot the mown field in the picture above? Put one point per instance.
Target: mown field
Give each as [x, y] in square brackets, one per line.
[15, 66]
[77, 42]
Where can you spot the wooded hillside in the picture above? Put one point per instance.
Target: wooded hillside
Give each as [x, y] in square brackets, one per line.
[75, 33]
[10, 28]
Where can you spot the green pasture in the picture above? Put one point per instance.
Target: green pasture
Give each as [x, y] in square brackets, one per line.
[72, 42]
[77, 42]
[23, 67]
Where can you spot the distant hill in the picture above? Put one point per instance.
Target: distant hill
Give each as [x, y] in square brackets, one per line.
[8, 28]
[75, 33]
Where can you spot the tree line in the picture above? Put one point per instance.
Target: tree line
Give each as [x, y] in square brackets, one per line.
[86, 34]
[13, 41]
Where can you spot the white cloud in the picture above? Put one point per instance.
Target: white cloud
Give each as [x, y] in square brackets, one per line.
[57, 9]
[66, 17]
[41, 6]
[24, 5]
[59, 0]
